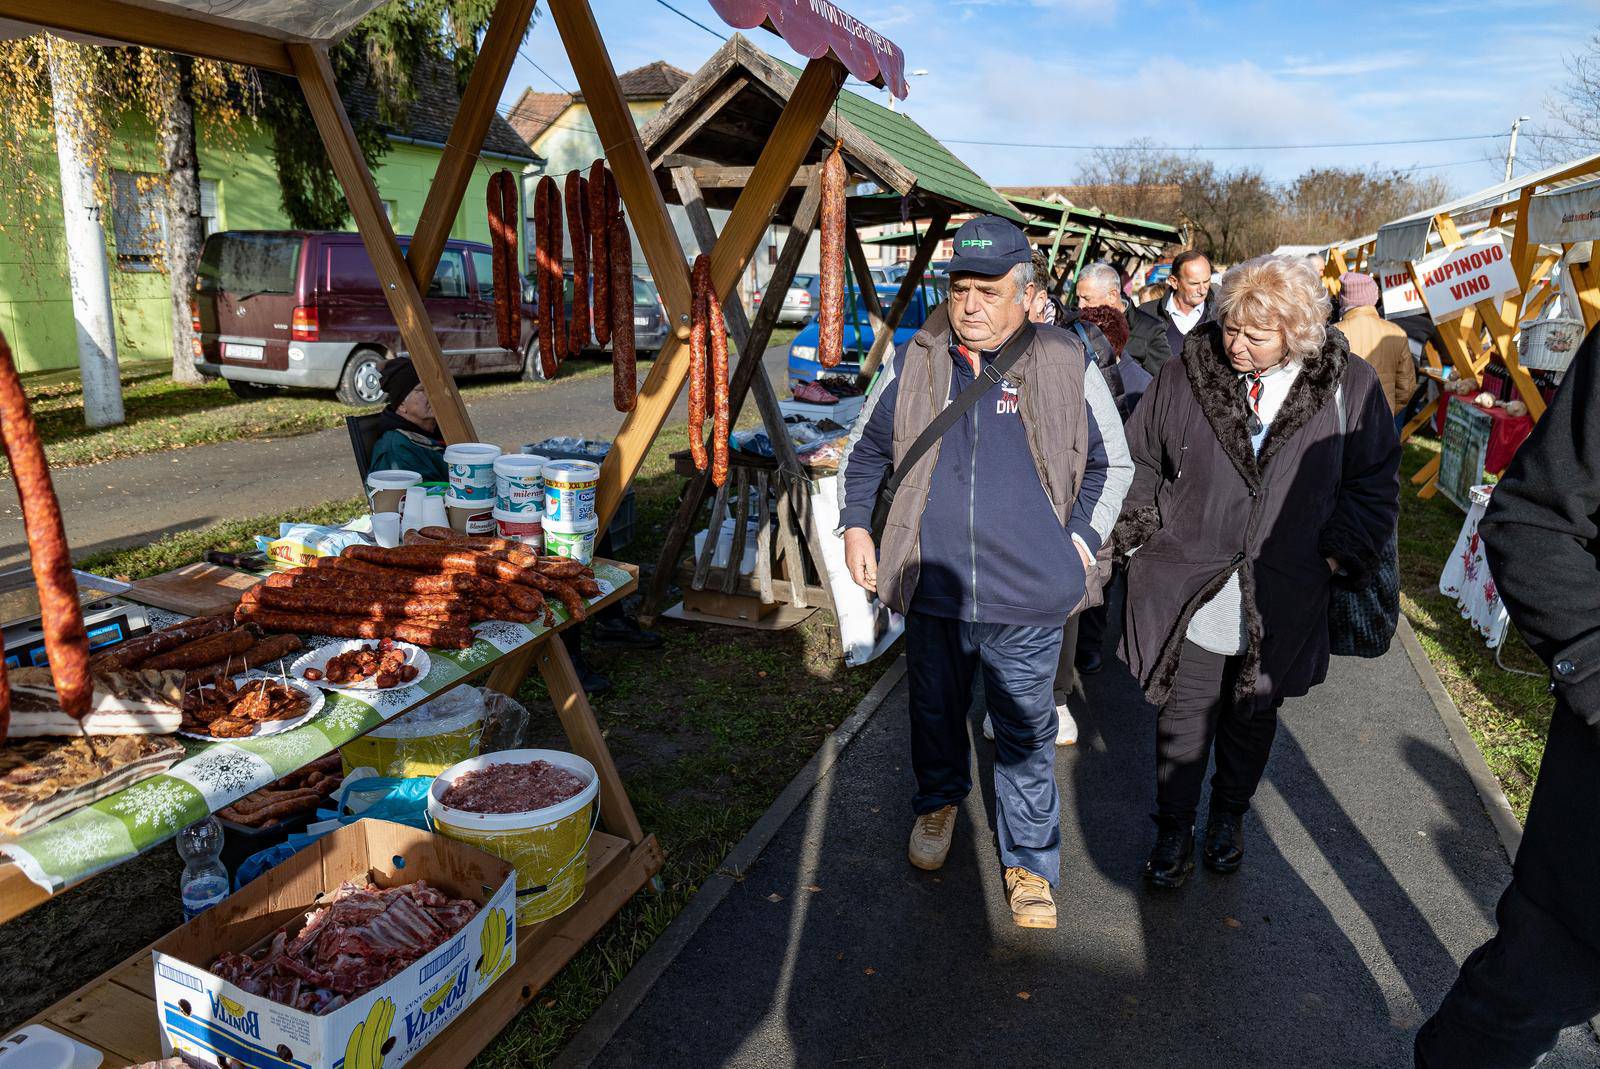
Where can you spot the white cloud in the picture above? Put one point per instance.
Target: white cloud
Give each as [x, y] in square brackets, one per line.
[1349, 66]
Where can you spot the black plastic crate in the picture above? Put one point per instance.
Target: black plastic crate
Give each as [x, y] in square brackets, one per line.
[621, 529]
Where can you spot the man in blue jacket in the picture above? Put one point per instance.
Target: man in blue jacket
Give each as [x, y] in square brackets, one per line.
[989, 547]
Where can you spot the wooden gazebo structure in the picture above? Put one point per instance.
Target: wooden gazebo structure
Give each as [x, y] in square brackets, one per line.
[292, 37]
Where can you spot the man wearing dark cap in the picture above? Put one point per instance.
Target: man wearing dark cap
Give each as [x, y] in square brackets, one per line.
[990, 543]
[410, 439]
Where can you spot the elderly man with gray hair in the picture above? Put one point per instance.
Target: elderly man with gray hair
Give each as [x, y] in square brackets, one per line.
[1008, 471]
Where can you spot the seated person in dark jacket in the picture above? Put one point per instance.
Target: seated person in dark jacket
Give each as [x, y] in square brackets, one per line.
[410, 439]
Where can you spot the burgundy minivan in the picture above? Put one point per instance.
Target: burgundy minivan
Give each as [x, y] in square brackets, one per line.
[303, 308]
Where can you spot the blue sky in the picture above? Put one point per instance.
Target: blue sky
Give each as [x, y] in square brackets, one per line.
[1180, 72]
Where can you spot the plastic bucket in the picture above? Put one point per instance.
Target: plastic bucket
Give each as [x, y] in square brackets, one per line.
[471, 467]
[387, 488]
[579, 545]
[470, 517]
[569, 488]
[549, 847]
[519, 483]
[526, 527]
[424, 742]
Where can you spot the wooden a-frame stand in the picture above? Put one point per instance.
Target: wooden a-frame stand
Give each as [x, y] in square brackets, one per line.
[625, 859]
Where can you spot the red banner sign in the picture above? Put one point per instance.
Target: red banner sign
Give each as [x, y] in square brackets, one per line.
[814, 28]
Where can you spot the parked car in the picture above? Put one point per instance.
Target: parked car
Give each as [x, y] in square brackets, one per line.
[803, 363]
[799, 303]
[649, 318]
[304, 308]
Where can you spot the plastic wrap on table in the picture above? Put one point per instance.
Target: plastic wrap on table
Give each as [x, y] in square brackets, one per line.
[506, 723]
[425, 741]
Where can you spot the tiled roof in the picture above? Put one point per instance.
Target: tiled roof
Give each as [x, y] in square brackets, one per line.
[653, 81]
[428, 117]
[533, 112]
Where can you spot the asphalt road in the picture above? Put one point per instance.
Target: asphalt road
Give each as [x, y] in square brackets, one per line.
[136, 500]
[1372, 870]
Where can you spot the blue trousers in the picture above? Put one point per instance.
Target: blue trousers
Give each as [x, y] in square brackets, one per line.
[1019, 669]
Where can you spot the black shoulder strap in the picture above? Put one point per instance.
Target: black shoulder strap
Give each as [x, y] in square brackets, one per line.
[989, 375]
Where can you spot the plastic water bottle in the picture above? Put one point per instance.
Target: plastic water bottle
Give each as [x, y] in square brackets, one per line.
[205, 878]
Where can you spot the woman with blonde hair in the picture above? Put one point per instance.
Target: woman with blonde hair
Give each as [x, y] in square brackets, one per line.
[1266, 470]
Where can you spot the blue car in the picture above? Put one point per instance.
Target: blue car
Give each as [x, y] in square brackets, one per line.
[803, 363]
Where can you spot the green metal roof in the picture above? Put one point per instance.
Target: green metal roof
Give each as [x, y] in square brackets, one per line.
[938, 170]
[1083, 216]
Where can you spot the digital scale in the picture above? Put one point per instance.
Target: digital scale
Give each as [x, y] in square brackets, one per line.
[106, 617]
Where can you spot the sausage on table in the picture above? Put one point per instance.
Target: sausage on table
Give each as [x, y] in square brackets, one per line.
[547, 271]
[624, 370]
[399, 582]
[204, 651]
[830, 318]
[699, 327]
[272, 648]
[600, 250]
[578, 238]
[719, 390]
[449, 636]
[369, 604]
[66, 643]
[130, 653]
[503, 213]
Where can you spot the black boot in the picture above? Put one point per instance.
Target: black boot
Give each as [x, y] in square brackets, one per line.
[1171, 860]
[1224, 845]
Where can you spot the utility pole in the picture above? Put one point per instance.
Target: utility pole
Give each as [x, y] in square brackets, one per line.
[86, 248]
[1511, 150]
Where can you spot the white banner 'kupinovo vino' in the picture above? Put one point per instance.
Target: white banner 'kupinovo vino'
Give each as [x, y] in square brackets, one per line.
[1400, 296]
[1455, 279]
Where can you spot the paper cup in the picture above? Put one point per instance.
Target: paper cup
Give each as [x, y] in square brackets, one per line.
[433, 511]
[519, 483]
[579, 545]
[471, 466]
[470, 517]
[569, 491]
[386, 529]
[387, 488]
[525, 527]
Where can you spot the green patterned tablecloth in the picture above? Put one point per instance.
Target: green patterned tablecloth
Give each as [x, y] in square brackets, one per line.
[108, 832]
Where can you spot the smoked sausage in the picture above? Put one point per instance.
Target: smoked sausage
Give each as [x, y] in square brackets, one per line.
[830, 319]
[624, 373]
[448, 636]
[356, 603]
[204, 651]
[503, 213]
[264, 652]
[130, 653]
[719, 390]
[699, 328]
[547, 271]
[578, 238]
[66, 643]
[600, 251]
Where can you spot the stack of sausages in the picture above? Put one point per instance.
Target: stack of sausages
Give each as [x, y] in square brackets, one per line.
[206, 649]
[298, 792]
[708, 373]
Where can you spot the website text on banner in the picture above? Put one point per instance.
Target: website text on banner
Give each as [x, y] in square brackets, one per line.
[1567, 216]
[1455, 279]
[1400, 296]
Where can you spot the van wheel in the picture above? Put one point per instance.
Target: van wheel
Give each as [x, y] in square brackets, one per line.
[532, 367]
[359, 384]
[250, 391]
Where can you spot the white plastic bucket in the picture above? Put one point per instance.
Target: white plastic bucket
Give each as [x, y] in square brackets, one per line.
[579, 545]
[386, 488]
[569, 489]
[525, 527]
[470, 517]
[471, 467]
[549, 847]
[519, 483]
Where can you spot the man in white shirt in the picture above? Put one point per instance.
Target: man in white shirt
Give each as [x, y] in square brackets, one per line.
[1156, 329]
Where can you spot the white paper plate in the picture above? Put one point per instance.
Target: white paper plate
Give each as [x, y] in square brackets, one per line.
[272, 727]
[319, 658]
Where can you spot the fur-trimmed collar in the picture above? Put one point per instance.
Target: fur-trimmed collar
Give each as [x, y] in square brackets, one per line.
[1216, 387]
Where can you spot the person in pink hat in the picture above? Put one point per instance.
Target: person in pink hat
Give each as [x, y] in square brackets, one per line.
[1375, 339]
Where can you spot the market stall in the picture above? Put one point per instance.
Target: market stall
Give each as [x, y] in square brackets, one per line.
[117, 1014]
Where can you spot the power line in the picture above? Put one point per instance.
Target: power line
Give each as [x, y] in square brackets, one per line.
[1223, 148]
[524, 54]
[690, 18]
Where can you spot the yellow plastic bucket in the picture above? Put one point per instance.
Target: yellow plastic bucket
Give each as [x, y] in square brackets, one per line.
[549, 846]
[425, 741]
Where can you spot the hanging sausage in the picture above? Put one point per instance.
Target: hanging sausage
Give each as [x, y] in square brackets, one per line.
[578, 238]
[624, 370]
[547, 265]
[504, 211]
[600, 251]
[830, 319]
[699, 331]
[719, 388]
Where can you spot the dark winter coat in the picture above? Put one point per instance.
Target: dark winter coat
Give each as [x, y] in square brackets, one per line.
[1203, 506]
[1153, 337]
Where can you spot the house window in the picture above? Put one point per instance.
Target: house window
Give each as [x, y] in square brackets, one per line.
[139, 217]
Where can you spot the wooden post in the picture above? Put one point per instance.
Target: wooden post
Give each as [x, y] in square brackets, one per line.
[619, 138]
[588, 742]
[315, 75]
[450, 178]
[908, 288]
[864, 283]
[792, 137]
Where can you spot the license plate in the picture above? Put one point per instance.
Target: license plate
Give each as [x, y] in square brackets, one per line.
[641, 321]
[235, 351]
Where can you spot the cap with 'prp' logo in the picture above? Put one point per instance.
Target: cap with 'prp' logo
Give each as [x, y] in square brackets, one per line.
[989, 245]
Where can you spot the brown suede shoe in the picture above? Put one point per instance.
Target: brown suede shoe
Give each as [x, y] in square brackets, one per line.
[930, 838]
[1029, 894]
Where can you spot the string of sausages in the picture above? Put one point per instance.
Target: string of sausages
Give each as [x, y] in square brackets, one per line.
[65, 641]
[830, 318]
[578, 235]
[708, 373]
[504, 211]
[547, 271]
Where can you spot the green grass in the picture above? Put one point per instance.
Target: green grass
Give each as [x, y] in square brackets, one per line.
[1508, 714]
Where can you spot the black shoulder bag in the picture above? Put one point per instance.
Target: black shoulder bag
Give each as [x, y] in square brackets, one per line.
[989, 375]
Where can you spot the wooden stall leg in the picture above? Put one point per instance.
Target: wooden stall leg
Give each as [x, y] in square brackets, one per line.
[702, 568]
[1419, 420]
[794, 561]
[583, 732]
[1426, 472]
[741, 520]
[763, 539]
[908, 288]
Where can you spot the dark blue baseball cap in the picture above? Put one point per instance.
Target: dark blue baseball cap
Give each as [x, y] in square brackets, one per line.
[989, 245]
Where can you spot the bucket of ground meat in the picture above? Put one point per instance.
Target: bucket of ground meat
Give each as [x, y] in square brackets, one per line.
[534, 808]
